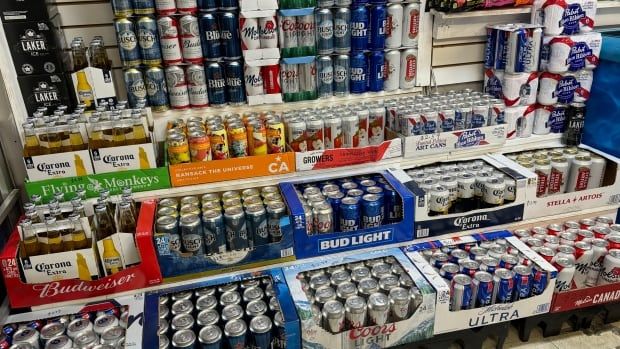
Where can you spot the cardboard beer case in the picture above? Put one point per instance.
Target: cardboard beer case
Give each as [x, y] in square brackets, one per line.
[417, 327]
[447, 320]
[23, 294]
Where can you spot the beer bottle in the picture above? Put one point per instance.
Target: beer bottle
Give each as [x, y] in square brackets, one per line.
[78, 236]
[139, 132]
[31, 141]
[104, 224]
[59, 196]
[126, 219]
[112, 261]
[56, 212]
[104, 195]
[84, 89]
[80, 210]
[108, 137]
[29, 240]
[83, 272]
[118, 131]
[54, 238]
[81, 193]
[96, 139]
[78, 53]
[75, 136]
[129, 199]
[33, 216]
[66, 232]
[53, 138]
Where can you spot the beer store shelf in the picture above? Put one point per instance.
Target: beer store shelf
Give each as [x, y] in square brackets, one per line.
[607, 14]
[464, 27]
[609, 211]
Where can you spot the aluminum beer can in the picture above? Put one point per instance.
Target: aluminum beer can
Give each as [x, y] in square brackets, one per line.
[156, 89]
[229, 33]
[392, 70]
[323, 218]
[333, 132]
[168, 30]
[350, 214]
[503, 280]
[275, 211]
[253, 78]
[378, 23]
[411, 24]
[210, 336]
[430, 120]
[191, 234]
[235, 86]
[325, 74]
[376, 71]
[372, 208]
[148, 40]
[210, 36]
[342, 30]
[165, 7]
[446, 119]
[482, 289]
[236, 229]
[250, 33]
[261, 329]
[305, 27]
[207, 5]
[228, 5]
[461, 288]
[127, 42]
[408, 68]
[308, 80]
[324, 20]
[341, 75]
[256, 216]
[235, 332]
[289, 36]
[122, 8]
[480, 115]
[394, 26]
[271, 78]
[522, 282]
[187, 6]
[359, 72]
[190, 39]
[268, 32]
[214, 232]
[216, 84]
[177, 87]
[197, 86]
[359, 28]
[566, 272]
[378, 309]
[136, 89]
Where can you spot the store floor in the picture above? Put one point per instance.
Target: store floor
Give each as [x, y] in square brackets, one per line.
[599, 336]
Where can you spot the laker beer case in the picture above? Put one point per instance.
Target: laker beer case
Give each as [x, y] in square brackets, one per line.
[47, 90]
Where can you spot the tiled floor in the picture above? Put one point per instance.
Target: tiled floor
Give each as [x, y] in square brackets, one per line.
[599, 336]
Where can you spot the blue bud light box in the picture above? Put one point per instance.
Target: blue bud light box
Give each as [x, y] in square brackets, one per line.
[602, 130]
[331, 214]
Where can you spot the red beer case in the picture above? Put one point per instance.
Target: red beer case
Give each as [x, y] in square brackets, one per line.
[147, 273]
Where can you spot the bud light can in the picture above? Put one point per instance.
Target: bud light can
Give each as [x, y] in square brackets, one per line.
[190, 39]
[324, 31]
[341, 75]
[136, 88]
[177, 87]
[372, 208]
[359, 28]
[197, 86]
[378, 22]
[342, 32]
[250, 34]
[156, 89]
[482, 284]
[210, 34]
[127, 42]
[376, 71]
[503, 285]
[234, 83]
[216, 84]
[325, 73]
[350, 214]
[229, 32]
[359, 72]
[149, 41]
[169, 40]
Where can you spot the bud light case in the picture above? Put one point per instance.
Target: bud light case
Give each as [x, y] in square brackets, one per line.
[449, 321]
[286, 334]
[318, 238]
[416, 326]
[467, 215]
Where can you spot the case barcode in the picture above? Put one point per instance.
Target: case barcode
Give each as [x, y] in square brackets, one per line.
[614, 199]
[542, 308]
[287, 252]
[422, 233]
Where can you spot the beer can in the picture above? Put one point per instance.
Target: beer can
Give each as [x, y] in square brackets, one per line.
[341, 75]
[229, 33]
[314, 134]
[191, 234]
[461, 297]
[522, 282]
[363, 115]
[566, 272]
[408, 68]
[324, 31]
[359, 28]
[376, 71]
[183, 339]
[177, 87]
[306, 37]
[148, 40]
[256, 216]
[276, 139]
[355, 312]
[446, 119]
[392, 70]
[268, 29]
[333, 133]
[308, 80]
[359, 72]
[165, 7]
[207, 5]
[187, 6]
[378, 309]
[377, 24]
[342, 31]
[503, 285]
[216, 84]
[411, 25]
[333, 315]
[197, 86]
[376, 125]
[520, 89]
[579, 173]
[261, 329]
[122, 8]
[85, 340]
[235, 86]
[325, 74]
[156, 89]
[271, 78]
[430, 120]
[394, 29]
[289, 36]
[167, 28]
[228, 5]
[136, 89]
[190, 39]
[127, 42]
[482, 289]
[585, 78]
[210, 336]
[210, 36]
[236, 229]
[254, 85]
[250, 33]
[372, 208]
[597, 171]
[275, 211]
[289, 78]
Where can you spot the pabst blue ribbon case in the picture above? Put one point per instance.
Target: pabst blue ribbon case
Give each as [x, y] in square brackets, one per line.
[497, 278]
[392, 304]
[334, 214]
[560, 17]
[560, 54]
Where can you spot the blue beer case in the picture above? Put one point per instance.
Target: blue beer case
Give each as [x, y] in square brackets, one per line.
[324, 244]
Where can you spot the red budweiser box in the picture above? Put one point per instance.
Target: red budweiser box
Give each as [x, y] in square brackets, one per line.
[146, 273]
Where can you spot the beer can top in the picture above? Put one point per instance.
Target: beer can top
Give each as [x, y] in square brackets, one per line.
[252, 293]
[461, 279]
[324, 294]
[388, 282]
[255, 210]
[182, 306]
[235, 328]
[80, 325]
[278, 319]
[104, 322]
[256, 307]
[333, 309]
[84, 339]
[115, 333]
[355, 304]
[59, 342]
[260, 324]
[398, 294]
[182, 321]
[522, 270]
[164, 342]
[378, 301]
[232, 312]
[52, 330]
[210, 334]
[183, 339]
[230, 297]
[276, 207]
[207, 317]
[566, 262]
[614, 253]
[483, 276]
[163, 326]
[346, 289]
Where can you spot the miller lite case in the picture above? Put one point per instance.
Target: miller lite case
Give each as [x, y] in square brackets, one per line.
[35, 48]
[45, 90]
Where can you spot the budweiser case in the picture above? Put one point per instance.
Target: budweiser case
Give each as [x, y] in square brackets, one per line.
[281, 292]
[23, 294]
[477, 219]
[45, 90]
[574, 201]
[417, 327]
[449, 321]
[133, 304]
[61, 165]
[323, 244]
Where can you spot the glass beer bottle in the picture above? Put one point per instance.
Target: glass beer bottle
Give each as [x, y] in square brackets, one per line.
[112, 261]
[54, 238]
[31, 141]
[75, 136]
[96, 138]
[103, 223]
[80, 241]
[29, 239]
[126, 220]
